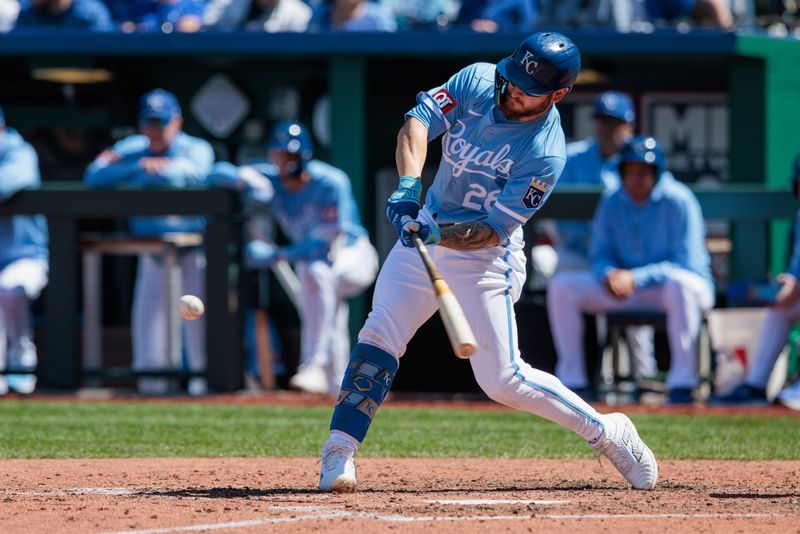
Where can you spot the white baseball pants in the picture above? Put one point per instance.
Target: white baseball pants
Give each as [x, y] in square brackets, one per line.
[487, 283]
[548, 261]
[151, 336]
[20, 282]
[324, 313]
[684, 297]
[777, 324]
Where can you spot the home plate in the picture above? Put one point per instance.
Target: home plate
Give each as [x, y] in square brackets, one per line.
[491, 502]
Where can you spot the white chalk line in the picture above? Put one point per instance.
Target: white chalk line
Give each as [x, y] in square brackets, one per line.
[493, 502]
[321, 513]
[77, 491]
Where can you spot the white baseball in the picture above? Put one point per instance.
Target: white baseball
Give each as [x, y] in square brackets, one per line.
[191, 307]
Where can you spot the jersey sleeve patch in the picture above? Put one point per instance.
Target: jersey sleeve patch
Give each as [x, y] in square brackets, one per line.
[535, 193]
[329, 214]
[444, 100]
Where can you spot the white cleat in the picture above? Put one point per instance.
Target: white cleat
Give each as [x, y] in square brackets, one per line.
[338, 471]
[22, 384]
[790, 397]
[311, 379]
[621, 444]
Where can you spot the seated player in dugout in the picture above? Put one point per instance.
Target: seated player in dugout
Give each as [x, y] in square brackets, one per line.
[160, 155]
[593, 161]
[24, 263]
[782, 315]
[503, 150]
[648, 253]
[314, 205]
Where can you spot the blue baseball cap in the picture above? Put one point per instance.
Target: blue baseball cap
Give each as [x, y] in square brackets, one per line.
[616, 105]
[159, 104]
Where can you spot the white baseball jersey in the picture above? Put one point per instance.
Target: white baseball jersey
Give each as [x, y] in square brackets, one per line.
[492, 169]
[497, 171]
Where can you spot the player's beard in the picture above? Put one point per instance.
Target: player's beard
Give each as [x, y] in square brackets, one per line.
[514, 110]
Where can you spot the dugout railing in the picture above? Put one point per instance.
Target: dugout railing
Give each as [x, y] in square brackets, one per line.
[750, 209]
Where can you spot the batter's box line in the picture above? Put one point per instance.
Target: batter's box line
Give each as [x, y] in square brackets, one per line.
[393, 518]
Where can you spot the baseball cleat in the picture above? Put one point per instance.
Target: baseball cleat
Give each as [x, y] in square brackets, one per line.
[621, 444]
[742, 395]
[311, 379]
[338, 471]
[790, 397]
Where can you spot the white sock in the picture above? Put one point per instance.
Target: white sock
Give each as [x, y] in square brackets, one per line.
[338, 435]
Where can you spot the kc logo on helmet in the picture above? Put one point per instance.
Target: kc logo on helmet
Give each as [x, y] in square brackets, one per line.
[444, 100]
[529, 64]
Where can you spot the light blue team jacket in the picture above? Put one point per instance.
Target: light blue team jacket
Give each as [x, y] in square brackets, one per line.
[21, 236]
[585, 166]
[313, 217]
[192, 159]
[665, 233]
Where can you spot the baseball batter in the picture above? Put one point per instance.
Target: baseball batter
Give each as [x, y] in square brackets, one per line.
[502, 152]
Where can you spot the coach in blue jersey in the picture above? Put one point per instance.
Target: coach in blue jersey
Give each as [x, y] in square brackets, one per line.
[314, 205]
[23, 262]
[161, 155]
[648, 252]
[593, 161]
[503, 150]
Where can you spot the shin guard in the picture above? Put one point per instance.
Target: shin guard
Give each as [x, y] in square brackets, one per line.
[366, 383]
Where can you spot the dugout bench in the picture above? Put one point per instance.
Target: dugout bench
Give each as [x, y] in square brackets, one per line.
[66, 204]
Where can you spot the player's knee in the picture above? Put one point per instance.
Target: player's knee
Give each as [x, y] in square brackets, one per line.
[12, 295]
[562, 286]
[500, 388]
[675, 293]
[379, 337]
[317, 274]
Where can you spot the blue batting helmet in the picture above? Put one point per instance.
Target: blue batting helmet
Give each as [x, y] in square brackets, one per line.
[292, 137]
[643, 149]
[543, 63]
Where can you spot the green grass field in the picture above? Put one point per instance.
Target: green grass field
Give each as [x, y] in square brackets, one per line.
[36, 429]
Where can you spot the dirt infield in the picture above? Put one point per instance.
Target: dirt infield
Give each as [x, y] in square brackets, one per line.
[396, 495]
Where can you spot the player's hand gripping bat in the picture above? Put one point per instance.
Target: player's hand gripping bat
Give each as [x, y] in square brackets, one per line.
[455, 322]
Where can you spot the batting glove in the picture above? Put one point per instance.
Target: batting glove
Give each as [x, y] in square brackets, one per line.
[307, 250]
[429, 234]
[260, 254]
[404, 202]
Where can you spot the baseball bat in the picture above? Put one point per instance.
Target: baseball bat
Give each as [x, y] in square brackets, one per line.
[455, 322]
[288, 280]
[266, 358]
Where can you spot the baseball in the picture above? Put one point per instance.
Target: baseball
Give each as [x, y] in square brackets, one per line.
[191, 307]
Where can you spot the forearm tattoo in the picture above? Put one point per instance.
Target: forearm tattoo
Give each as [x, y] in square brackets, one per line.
[469, 236]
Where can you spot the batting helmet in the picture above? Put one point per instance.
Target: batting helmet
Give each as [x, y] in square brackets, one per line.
[643, 149]
[292, 137]
[543, 63]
